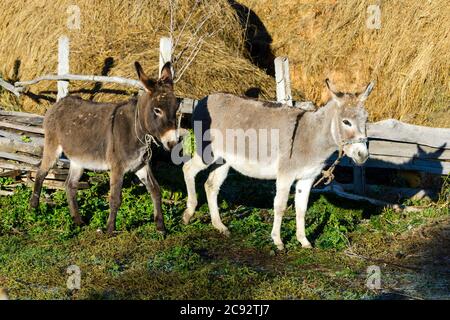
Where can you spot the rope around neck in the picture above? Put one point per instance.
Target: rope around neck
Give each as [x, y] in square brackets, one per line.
[148, 138]
[328, 174]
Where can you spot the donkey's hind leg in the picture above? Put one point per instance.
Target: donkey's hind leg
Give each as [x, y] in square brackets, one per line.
[51, 153]
[75, 173]
[212, 186]
[190, 170]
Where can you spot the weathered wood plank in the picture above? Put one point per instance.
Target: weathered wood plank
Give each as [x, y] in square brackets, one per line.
[76, 77]
[187, 105]
[11, 145]
[33, 121]
[411, 193]
[165, 52]
[19, 157]
[389, 148]
[395, 130]
[55, 184]
[10, 173]
[338, 190]
[283, 80]
[63, 66]
[4, 164]
[21, 127]
[8, 165]
[377, 161]
[8, 86]
[37, 140]
[20, 114]
[57, 174]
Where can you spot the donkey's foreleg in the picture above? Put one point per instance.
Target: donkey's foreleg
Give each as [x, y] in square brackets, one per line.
[212, 186]
[75, 173]
[279, 206]
[115, 198]
[190, 170]
[146, 176]
[302, 190]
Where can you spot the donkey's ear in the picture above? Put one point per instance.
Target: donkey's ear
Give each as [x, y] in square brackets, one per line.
[335, 95]
[149, 84]
[364, 95]
[166, 74]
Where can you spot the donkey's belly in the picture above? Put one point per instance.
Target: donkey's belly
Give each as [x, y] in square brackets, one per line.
[90, 164]
[255, 172]
[101, 164]
[254, 169]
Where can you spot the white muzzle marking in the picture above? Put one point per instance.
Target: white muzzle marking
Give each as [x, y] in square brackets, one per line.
[169, 139]
[358, 152]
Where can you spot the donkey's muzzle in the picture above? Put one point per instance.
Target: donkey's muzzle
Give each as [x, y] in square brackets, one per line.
[360, 156]
[169, 139]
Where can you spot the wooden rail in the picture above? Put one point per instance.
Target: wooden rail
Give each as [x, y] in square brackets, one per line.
[392, 144]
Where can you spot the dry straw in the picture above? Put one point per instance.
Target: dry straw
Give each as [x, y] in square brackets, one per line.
[126, 31]
[409, 56]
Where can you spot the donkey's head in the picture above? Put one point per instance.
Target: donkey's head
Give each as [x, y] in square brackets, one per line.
[158, 106]
[349, 123]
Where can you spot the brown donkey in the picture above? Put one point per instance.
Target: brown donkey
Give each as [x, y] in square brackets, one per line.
[111, 136]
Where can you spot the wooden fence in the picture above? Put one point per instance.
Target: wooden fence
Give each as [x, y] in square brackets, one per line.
[392, 144]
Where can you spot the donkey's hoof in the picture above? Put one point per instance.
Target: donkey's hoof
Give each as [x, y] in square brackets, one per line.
[34, 203]
[79, 222]
[280, 246]
[307, 245]
[225, 231]
[187, 216]
[162, 231]
[110, 230]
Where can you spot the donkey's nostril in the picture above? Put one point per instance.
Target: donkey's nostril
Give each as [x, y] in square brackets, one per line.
[171, 144]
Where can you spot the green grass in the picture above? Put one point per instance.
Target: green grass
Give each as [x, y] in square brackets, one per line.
[193, 261]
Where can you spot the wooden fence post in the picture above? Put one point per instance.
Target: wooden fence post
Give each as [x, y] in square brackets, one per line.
[283, 80]
[165, 52]
[63, 66]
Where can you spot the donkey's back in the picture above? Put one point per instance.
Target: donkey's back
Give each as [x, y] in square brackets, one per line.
[250, 135]
[232, 112]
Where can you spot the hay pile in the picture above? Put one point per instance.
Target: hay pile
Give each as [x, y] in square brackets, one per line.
[124, 31]
[409, 56]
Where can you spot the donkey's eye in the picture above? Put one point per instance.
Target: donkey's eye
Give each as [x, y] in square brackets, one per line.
[347, 123]
[158, 112]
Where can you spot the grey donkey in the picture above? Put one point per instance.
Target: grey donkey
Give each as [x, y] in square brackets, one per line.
[268, 141]
[111, 136]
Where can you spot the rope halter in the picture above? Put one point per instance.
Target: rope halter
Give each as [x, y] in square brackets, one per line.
[148, 138]
[328, 174]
